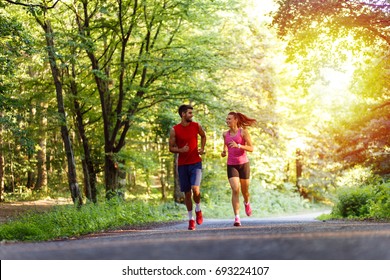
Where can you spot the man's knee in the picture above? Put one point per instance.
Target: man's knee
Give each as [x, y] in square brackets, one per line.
[195, 190]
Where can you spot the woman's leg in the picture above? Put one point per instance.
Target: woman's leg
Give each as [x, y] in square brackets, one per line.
[245, 189]
[235, 186]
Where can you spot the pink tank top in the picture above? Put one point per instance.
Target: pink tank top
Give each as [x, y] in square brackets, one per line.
[236, 155]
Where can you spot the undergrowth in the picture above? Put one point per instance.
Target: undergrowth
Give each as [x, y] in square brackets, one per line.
[369, 201]
[66, 221]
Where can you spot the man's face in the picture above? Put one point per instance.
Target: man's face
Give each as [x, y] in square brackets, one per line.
[188, 115]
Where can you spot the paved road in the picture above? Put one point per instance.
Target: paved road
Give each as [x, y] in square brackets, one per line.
[288, 238]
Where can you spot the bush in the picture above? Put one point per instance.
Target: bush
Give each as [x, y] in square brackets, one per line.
[366, 201]
[353, 202]
[380, 204]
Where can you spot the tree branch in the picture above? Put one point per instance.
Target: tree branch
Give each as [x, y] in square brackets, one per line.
[33, 5]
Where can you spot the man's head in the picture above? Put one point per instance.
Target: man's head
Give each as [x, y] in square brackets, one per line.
[185, 112]
[183, 109]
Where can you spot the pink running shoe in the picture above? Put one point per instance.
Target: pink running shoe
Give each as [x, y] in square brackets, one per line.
[248, 209]
[199, 217]
[191, 225]
[237, 222]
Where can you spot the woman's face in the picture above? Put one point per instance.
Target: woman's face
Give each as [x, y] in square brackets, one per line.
[231, 121]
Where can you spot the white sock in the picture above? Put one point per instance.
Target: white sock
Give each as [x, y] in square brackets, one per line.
[197, 207]
[190, 215]
[237, 216]
[246, 203]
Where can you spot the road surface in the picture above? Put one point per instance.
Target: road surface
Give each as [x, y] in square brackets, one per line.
[299, 237]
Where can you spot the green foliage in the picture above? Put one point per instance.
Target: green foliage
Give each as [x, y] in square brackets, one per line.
[370, 200]
[313, 89]
[379, 205]
[353, 202]
[366, 141]
[68, 221]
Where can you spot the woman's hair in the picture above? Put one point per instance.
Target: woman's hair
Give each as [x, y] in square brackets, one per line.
[242, 120]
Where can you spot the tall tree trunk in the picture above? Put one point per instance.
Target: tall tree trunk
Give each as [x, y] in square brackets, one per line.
[163, 169]
[88, 166]
[30, 184]
[114, 127]
[1, 160]
[178, 196]
[41, 183]
[72, 178]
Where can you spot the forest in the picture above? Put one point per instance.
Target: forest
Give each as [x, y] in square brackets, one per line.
[90, 90]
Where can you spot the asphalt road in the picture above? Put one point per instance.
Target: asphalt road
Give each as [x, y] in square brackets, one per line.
[288, 238]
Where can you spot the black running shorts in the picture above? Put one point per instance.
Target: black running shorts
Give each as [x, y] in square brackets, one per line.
[241, 170]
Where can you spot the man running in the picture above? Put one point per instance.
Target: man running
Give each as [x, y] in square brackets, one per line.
[183, 139]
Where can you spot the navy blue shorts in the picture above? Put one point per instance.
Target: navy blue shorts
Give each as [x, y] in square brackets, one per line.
[240, 170]
[190, 175]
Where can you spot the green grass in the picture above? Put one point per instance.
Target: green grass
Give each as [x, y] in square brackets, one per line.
[69, 221]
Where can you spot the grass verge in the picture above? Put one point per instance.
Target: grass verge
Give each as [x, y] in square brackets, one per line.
[68, 221]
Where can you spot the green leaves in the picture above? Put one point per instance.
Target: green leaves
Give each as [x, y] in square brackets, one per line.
[67, 221]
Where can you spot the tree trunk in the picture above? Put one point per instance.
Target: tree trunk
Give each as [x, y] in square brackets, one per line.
[41, 183]
[177, 194]
[88, 166]
[298, 169]
[111, 174]
[72, 178]
[1, 160]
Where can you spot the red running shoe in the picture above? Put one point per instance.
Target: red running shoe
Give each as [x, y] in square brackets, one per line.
[191, 225]
[248, 209]
[199, 217]
[237, 222]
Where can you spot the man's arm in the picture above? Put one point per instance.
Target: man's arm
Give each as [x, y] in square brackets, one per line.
[172, 142]
[202, 140]
[173, 148]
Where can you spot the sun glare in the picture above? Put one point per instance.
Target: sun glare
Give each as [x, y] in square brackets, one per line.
[336, 90]
[331, 94]
[260, 8]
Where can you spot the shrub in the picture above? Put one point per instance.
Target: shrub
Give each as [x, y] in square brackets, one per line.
[366, 201]
[353, 202]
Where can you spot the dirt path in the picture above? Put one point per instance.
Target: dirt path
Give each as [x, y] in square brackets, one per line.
[9, 210]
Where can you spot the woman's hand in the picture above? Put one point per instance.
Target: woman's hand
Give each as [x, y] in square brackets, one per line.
[233, 144]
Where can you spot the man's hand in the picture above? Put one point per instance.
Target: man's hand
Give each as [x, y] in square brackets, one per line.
[184, 149]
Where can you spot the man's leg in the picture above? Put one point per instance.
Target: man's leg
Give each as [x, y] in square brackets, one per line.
[196, 178]
[198, 211]
[196, 194]
[188, 202]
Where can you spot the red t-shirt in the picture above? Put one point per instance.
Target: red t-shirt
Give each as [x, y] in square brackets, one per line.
[188, 135]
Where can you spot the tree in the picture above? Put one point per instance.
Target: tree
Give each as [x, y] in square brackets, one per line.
[138, 58]
[128, 57]
[338, 50]
[39, 12]
[14, 43]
